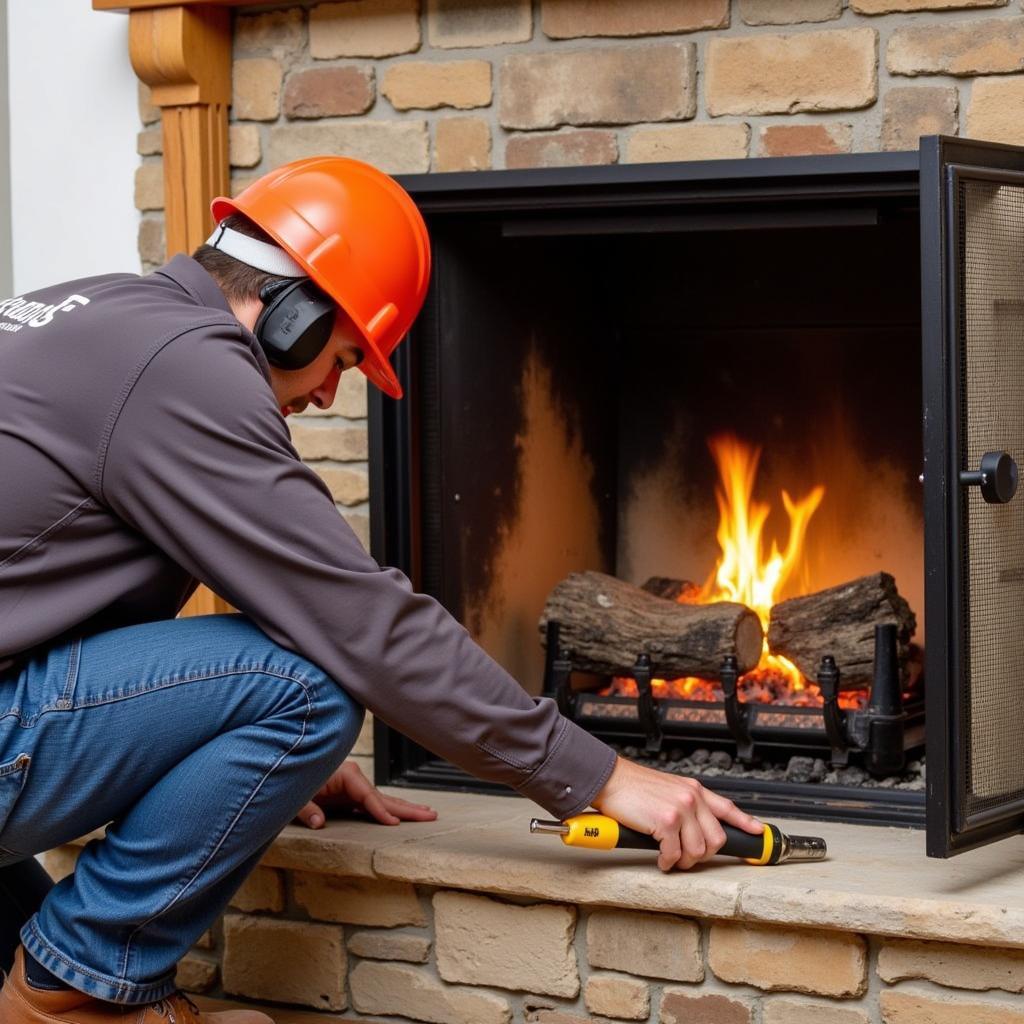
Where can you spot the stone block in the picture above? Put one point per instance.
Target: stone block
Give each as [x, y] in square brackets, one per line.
[364, 741]
[205, 941]
[149, 112]
[453, 24]
[907, 1006]
[688, 142]
[319, 439]
[195, 974]
[462, 144]
[785, 74]
[397, 147]
[286, 961]
[482, 941]
[549, 1015]
[347, 486]
[652, 945]
[358, 900]
[571, 19]
[996, 110]
[149, 186]
[256, 89]
[573, 148]
[360, 524]
[262, 890]
[329, 92]
[364, 28]
[789, 12]
[685, 1006]
[244, 146]
[913, 111]
[972, 967]
[790, 1011]
[152, 243]
[274, 33]
[410, 992]
[60, 862]
[896, 6]
[983, 47]
[806, 139]
[413, 949]
[150, 142]
[427, 85]
[789, 959]
[604, 86]
[240, 182]
[615, 995]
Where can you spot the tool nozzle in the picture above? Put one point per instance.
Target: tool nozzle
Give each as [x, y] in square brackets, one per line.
[541, 826]
[802, 848]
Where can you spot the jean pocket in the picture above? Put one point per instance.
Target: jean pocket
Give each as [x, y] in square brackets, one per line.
[13, 775]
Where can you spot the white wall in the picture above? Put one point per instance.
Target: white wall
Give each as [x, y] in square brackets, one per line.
[73, 125]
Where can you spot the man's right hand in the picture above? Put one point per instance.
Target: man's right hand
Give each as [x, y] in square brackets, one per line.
[679, 812]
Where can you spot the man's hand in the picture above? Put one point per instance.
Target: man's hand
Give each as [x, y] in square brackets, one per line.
[349, 788]
[679, 812]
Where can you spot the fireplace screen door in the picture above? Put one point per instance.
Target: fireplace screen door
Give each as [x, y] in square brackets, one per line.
[972, 220]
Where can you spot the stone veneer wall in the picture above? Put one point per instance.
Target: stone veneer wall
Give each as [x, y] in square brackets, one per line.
[349, 947]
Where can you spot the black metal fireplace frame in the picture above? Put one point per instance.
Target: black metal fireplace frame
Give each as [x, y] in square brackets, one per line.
[404, 526]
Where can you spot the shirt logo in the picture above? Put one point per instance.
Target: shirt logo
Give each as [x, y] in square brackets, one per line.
[35, 314]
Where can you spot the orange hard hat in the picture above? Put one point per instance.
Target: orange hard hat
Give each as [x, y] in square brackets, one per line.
[358, 235]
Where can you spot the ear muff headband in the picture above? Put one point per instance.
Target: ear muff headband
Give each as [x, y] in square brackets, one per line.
[295, 324]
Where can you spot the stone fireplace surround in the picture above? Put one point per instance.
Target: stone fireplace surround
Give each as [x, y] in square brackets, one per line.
[470, 919]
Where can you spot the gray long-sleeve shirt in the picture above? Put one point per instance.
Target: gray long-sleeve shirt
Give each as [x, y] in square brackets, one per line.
[142, 449]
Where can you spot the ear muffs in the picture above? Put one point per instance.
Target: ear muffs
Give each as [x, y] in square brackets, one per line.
[295, 324]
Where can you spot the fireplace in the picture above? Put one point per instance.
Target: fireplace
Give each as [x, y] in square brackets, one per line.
[595, 338]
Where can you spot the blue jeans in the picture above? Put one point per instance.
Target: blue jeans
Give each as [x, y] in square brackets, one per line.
[197, 740]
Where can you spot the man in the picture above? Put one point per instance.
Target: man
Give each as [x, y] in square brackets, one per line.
[143, 436]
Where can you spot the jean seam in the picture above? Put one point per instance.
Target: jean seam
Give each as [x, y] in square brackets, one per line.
[306, 687]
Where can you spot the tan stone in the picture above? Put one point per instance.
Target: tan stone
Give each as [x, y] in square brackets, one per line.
[149, 186]
[484, 942]
[364, 741]
[149, 112]
[893, 6]
[778, 74]
[996, 110]
[973, 967]
[150, 142]
[462, 144]
[414, 949]
[360, 527]
[317, 439]
[358, 900]
[60, 862]
[244, 145]
[452, 24]
[684, 1006]
[607, 86]
[789, 12]
[572, 148]
[262, 890]
[962, 48]
[907, 1006]
[205, 941]
[347, 486]
[652, 945]
[806, 139]
[256, 89]
[397, 147]
[614, 995]
[364, 28]
[570, 19]
[798, 960]
[913, 111]
[329, 92]
[791, 1011]
[274, 33]
[409, 992]
[152, 243]
[547, 1015]
[427, 85]
[287, 961]
[688, 142]
[239, 182]
[195, 974]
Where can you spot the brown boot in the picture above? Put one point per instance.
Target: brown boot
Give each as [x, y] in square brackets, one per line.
[22, 1004]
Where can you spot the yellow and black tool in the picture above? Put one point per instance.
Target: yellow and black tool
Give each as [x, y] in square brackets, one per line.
[598, 832]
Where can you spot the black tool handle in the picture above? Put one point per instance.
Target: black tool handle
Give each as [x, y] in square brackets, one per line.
[737, 842]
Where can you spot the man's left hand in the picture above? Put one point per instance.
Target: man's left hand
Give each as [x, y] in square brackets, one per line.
[348, 788]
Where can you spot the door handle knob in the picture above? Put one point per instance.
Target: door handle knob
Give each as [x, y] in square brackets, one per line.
[997, 478]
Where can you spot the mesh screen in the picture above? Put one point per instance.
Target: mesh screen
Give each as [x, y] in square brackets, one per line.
[992, 407]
